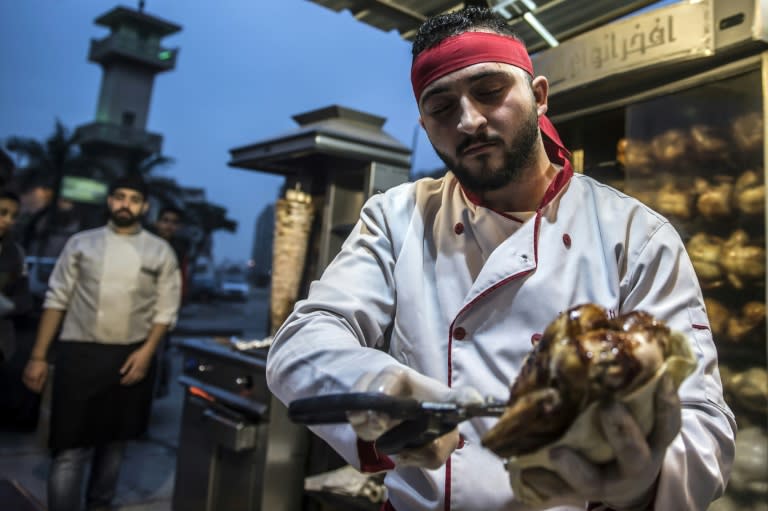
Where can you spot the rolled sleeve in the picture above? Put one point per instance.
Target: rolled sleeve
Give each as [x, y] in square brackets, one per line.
[65, 275]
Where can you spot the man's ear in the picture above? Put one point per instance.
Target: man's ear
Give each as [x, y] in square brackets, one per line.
[145, 207]
[421, 122]
[540, 87]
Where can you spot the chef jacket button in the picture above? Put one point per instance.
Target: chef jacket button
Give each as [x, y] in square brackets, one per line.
[566, 241]
[535, 338]
[459, 333]
[458, 228]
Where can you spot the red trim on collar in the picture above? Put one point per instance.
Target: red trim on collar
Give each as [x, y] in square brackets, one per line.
[556, 185]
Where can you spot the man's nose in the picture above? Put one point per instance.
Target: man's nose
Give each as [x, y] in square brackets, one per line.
[472, 119]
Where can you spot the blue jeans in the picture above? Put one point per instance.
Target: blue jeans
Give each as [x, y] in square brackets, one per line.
[65, 480]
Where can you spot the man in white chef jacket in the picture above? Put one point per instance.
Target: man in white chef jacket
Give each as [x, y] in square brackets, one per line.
[454, 278]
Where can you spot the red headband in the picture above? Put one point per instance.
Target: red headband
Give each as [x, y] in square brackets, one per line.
[463, 50]
[468, 48]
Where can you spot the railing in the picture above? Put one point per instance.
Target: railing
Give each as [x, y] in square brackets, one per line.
[148, 52]
[119, 135]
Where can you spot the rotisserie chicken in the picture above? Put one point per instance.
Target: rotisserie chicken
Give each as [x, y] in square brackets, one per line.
[584, 357]
[638, 157]
[749, 193]
[742, 262]
[671, 147]
[705, 250]
[672, 201]
[714, 201]
[747, 131]
[751, 318]
[708, 142]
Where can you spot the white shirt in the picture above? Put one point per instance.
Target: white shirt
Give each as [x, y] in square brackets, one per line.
[114, 287]
[456, 292]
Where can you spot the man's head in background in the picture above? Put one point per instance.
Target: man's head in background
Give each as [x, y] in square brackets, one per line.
[9, 211]
[127, 200]
[168, 222]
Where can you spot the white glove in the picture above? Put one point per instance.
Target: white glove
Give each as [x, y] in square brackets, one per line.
[401, 382]
[629, 482]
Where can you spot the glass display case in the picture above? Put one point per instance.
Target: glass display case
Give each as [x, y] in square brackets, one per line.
[697, 157]
[690, 142]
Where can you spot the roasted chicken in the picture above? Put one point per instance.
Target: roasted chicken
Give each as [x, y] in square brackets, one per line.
[742, 262]
[708, 142]
[671, 147]
[583, 357]
[714, 201]
[747, 131]
[672, 201]
[749, 193]
[705, 251]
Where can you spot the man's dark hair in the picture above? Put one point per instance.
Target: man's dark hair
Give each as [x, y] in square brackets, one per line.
[132, 181]
[469, 19]
[171, 209]
[9, 195]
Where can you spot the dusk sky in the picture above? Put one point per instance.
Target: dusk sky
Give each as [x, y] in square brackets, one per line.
[244, 68]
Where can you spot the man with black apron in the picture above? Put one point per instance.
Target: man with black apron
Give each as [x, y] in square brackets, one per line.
[116, 289]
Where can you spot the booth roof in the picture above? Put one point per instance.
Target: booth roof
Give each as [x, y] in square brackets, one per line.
[562, 18]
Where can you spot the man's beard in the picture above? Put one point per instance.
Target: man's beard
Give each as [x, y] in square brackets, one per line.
[517, 156]
[123, 221]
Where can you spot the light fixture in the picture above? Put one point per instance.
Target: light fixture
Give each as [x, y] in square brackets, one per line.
[524, 8]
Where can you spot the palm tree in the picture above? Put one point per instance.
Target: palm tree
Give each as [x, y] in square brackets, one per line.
[45, 164]
[165, 189]
[208, 217]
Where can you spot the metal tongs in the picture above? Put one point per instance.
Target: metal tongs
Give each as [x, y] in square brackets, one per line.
[422, 421]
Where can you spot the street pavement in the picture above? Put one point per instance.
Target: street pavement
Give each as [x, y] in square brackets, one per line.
[147, 474]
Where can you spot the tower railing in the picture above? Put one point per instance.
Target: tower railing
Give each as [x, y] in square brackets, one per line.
[146, 52]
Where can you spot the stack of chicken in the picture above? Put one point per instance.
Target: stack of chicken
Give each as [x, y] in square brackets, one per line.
[583, 358]
[293, 222]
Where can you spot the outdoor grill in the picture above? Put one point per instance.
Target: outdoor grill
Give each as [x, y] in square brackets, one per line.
[224, 428]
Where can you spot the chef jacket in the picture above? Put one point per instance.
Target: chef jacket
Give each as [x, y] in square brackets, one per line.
[114, 287]
[458, 292]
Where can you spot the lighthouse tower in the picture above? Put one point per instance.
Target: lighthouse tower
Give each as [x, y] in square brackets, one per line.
[130, 57]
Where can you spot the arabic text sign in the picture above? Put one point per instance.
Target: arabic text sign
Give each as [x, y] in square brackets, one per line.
[676, 32]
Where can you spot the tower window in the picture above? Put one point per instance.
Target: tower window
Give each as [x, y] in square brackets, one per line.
[128, 118]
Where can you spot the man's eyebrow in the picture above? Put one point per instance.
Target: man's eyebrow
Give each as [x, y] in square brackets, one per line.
[472, 79]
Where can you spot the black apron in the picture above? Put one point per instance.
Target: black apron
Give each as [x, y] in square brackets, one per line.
[89, 405]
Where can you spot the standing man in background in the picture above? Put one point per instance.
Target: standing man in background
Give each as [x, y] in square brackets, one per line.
[169, 221]
[116, 289]
[14, 286]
